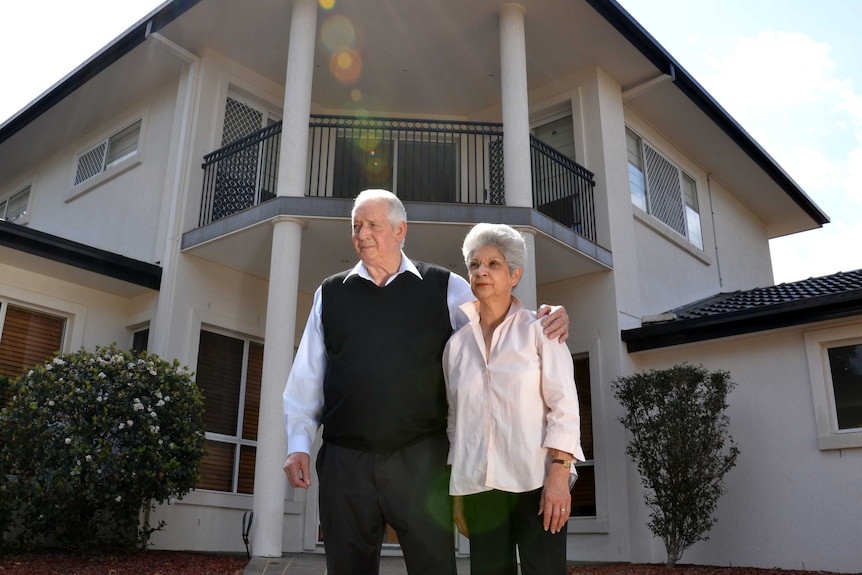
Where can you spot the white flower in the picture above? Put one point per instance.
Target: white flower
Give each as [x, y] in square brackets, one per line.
[160, 442]
[30, 373]
[58, 361]
[122, 425]
[160, 403]
[102, 375]
[138, 406]
[51, 402]
[118, 498]
[48, 367]
[129, 422]
[89, 458]
[154, 372]
[68, 440]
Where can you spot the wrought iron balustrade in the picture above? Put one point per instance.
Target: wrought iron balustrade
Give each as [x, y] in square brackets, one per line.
[562, 189]
[420, 160]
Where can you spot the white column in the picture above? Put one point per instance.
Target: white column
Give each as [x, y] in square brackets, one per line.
[516, 110]
[297, 99]
[526, 288]
[269, 479]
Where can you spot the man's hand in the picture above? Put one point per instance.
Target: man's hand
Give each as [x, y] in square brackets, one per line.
[556, 324]
[297, 470]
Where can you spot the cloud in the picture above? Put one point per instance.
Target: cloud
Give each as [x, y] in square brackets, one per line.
[791, 96]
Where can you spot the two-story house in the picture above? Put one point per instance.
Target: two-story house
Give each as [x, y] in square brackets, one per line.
[188, 187]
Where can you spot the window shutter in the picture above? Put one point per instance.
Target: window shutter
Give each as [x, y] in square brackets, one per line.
[253, 376]
[665, 194]
[28, 338]
[91, 163]
[219, 373]
[216, 467]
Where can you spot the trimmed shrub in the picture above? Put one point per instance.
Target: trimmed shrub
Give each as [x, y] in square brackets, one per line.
[89, 440]
[682, 448]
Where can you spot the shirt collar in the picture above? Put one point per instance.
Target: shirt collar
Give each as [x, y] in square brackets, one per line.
[471, 309]
[407, 265]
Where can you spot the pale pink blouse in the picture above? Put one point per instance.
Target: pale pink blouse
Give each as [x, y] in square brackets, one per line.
[508, 410]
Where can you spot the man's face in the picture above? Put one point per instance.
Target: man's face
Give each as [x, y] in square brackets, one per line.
[375, 240]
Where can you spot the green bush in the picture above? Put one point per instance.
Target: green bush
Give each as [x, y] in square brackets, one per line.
[682, 448]
[89, 440]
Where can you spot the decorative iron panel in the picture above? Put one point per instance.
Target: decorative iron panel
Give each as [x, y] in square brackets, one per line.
[236, 177]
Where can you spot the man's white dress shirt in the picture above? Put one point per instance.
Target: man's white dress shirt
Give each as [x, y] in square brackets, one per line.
[303, 394]
[508, 410]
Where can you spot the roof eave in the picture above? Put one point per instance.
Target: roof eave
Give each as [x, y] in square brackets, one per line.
[681, 332]
[620, 19]
[121, 46]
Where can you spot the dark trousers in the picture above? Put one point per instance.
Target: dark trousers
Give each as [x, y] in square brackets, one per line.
[408, 489]
[498, 522]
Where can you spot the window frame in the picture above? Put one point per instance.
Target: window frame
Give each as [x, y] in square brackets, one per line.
[237, 440]
[6, 199]
[817, 345]
[686, 206]
[109, 170]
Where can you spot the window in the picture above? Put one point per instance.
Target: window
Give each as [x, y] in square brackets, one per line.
[248, 175]
[661, 189]
[27, 338]
[229, 373]
[584, 491]
[416, 166]
[835, 364]
[108, 153]
[14, 208]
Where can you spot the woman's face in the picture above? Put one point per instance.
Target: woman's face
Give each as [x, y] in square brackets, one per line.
[490, 276]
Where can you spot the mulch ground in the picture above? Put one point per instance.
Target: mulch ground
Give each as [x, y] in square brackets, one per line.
[155, 562]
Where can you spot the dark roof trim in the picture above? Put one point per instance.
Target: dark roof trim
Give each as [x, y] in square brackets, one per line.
[680, 332]
[626, 25]
[93, 67]
[80, 256]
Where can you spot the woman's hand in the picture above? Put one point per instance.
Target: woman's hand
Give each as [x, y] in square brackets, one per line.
[556, 499]
[458, 515]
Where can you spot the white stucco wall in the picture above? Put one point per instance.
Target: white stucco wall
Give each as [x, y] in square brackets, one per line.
[120, 214]
[788, 504]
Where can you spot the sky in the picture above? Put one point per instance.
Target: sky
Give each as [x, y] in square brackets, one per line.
[788, 71]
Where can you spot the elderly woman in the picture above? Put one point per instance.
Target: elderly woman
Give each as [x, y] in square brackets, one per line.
[514, 425]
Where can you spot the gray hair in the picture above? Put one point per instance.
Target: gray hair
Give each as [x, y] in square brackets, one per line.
[397, 213]
[505, 238]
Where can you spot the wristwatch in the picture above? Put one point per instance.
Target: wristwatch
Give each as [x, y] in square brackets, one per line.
[567, 463]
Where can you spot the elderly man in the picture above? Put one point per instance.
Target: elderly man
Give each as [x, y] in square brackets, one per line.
[369, 369]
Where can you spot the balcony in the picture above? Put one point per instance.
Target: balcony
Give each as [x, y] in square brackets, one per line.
[420, 160]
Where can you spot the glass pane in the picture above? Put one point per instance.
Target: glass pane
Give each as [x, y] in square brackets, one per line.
[16, 210]
[585, 402]
[584, 493]
[559, 134]
[245, 481]
[665, 193]
[636, 184]
[123, 144]
[363, 160]
[219, 375]
[692, 219]
[845, 363]
[427, 170]
[253, 377]
[216, 468]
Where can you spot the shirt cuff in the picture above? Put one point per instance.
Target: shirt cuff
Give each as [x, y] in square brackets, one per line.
[299, 443]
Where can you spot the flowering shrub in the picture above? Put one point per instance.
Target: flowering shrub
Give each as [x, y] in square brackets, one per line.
[89, 440]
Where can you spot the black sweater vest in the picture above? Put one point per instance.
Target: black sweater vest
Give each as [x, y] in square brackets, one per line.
[384, 385]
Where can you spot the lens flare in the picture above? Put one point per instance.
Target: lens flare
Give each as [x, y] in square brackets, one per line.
[356, 94]
[327, 4]
[346, 66]
[337, 33]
